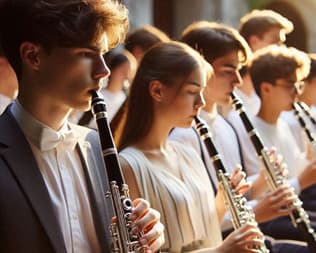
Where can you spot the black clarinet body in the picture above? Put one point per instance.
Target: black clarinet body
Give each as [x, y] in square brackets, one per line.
[124, 240]
[274, 178]
[307, 111]
[236, 203]
[296, 107]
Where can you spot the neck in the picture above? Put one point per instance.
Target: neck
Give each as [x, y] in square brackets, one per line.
[8, 83]
[44, 109]
[210, 108]
[268, 114]
[247, 86]
[307, 99]
[114, 86]
[156, 138]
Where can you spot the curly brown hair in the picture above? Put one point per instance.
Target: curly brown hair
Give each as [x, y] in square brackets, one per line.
[59, 23]
[277, 62]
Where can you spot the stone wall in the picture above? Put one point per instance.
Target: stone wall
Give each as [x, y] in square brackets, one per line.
[140, 12]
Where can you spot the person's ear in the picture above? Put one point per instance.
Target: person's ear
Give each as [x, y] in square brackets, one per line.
[265, 88]
[138, 53]
[156, 90]
[29, 53]
[253, 41]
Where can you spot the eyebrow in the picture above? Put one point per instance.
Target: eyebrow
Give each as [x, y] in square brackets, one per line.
[97, 49]
[194, 83]
[230, 65]
[289, 80]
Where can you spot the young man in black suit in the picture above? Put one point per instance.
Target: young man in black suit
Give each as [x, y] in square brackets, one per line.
[52, 176]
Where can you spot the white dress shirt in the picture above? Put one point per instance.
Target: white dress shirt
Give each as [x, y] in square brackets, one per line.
[62, 171]
[4, 102]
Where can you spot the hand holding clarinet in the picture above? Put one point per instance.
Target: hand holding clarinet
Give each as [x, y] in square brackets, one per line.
[136, 227]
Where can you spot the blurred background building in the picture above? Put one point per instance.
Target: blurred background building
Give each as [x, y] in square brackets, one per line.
[172, 16]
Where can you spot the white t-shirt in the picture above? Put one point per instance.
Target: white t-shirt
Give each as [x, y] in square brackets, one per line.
[249, 154]
[251, 103]
[297, 131]
[279, 136]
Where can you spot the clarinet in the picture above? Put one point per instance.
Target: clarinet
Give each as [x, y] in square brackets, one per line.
[236, 203]
[302, 122]
[274, 178]
[307, 111]
[124, 240]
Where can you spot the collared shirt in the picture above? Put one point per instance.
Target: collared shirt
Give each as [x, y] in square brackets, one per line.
[4, 102]
[62, 171]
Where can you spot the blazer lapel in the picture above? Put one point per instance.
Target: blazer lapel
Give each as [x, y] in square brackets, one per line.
[28, 174]
[98, 187]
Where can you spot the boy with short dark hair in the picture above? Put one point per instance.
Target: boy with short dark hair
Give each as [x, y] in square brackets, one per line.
[307, 96]
[260, 28]
[52, 175]
[276, 73]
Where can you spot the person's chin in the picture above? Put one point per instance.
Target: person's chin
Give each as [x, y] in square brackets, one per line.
[83, 106]
[223, 101]
[288, 108]
[189, 123]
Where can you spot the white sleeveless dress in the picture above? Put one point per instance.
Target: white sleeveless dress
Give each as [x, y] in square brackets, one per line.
[187, 206]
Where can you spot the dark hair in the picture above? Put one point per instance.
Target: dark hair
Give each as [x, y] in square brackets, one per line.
[1, 51]
[59, 23]
[259, 22]
[277, 62]
[145, 37]
[213, 40]
[312, 71]
[170, 63]
[114, 59]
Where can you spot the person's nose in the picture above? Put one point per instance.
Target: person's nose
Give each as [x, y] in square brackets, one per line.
[237, 79]
[200, 101]
[100, 70]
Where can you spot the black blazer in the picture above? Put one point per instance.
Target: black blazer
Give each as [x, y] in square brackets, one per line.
[27, 220]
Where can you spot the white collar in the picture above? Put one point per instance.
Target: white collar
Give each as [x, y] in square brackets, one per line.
[42, 136]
